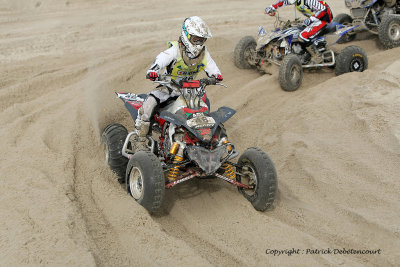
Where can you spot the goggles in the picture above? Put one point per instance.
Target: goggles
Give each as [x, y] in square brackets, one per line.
[196, 40]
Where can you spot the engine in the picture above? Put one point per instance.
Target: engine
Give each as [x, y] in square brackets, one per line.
[304, 56]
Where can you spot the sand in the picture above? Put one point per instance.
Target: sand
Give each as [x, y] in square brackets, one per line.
[335, 143]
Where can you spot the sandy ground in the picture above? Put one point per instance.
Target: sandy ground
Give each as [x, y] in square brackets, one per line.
[335, 144]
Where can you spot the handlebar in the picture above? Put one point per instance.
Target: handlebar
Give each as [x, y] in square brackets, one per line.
[209, 81]
[282, 23]
[189, 84]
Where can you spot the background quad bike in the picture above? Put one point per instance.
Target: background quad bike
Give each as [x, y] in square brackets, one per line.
[387, 27]
[351, 58]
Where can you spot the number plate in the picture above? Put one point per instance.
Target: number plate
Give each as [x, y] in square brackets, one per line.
[200, 121]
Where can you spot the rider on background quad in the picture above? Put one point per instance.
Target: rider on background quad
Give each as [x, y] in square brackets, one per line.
[183, 60]
[318, 14]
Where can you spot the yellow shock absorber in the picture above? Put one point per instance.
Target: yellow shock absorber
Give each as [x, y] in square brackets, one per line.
[229, 173]
[173, 173]
[174, 148]
[226, 142]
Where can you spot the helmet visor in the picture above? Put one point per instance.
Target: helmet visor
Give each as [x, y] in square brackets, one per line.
[197, 40]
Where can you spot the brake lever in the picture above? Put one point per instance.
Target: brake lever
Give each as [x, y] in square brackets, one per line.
[221, 84]
[162, 80]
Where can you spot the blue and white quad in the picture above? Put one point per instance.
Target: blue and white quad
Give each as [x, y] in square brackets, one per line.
[282, 47]
[380, 17]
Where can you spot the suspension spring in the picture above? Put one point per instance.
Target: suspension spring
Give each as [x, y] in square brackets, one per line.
[229, 173]
[173, 173]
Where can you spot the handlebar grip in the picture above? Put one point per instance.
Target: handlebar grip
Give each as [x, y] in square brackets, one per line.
[210, 81]
[155, 76]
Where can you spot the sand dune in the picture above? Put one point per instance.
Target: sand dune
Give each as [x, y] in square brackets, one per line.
[335, 143]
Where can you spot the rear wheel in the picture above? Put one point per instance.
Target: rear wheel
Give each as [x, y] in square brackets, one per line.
[290, 73]
[389, 31]
[351, 59]
[244, 53]
[258, 171]
[145, 180]
[346, 20]
[113, 137]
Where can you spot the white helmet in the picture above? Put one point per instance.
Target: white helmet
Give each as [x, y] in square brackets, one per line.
[292, 1]
[194, 34]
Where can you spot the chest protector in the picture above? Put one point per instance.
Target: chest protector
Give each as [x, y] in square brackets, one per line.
[304, 9]
[185, 68]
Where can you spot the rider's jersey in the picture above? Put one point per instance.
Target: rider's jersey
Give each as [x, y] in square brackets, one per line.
[171, 59]
[310, 8]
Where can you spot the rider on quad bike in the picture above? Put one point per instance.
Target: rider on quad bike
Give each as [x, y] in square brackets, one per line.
[318, 14]
[183, 60]
[379, 17]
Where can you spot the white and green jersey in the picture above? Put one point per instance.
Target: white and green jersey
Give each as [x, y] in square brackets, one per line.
[173, 64]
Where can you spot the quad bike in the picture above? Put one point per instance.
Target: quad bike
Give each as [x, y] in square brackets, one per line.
[282, 47]
[380, 17]
[185, 141]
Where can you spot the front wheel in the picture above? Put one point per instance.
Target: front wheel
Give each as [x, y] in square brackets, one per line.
[257, 171]
[290, 73]
[145, 180]
[389, 31]
[351, 59]
[244, 53]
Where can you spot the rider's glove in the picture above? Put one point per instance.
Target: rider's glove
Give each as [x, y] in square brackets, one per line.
[152, 75]
[270, 11]
[219, 78]
[307, 22]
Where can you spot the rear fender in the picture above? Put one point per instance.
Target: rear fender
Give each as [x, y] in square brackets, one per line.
[366, 4]
[132, 102]
[360, 3]
[334, 37]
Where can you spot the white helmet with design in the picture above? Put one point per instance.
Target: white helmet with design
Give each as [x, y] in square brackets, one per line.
[292, 1]
[194, 34]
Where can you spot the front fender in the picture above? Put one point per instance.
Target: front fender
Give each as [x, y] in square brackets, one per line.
[180, 120]
[176, 119]
[264, 41]
[221, 115]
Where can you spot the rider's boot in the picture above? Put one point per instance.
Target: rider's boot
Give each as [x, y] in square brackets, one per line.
[142, 129]
[316, 57]
[142, 123]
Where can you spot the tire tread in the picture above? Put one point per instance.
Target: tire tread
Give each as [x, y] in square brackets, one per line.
[342, 60]
[265, 196]
[154, 183]
[113, 137]
[240, 48]
[383, 29]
